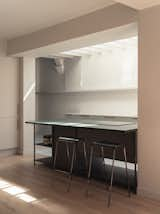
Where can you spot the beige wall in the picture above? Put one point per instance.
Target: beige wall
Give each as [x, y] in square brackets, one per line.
[8, 101]
[149, 103]
[3, 48]
[115, 15]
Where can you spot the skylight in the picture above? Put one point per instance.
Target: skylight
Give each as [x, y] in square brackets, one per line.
[99, 48]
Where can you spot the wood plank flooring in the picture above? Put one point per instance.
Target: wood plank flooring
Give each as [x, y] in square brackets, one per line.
[47, 190]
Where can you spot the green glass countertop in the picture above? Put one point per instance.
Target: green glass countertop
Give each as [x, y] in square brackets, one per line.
[91, 124]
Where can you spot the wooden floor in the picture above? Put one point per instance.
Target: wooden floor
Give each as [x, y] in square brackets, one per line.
[19, 180]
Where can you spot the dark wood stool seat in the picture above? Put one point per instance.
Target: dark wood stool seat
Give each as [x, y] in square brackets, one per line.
[114, 147]
[71, 160]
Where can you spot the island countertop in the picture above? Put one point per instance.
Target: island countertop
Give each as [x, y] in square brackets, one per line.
[124, 126]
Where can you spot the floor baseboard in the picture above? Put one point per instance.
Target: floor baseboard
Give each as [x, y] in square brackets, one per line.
[149, 194]
[8, 152]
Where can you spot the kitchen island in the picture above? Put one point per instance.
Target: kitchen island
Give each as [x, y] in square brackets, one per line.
[112, 130]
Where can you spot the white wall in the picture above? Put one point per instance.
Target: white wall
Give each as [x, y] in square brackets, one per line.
[112, 69]
[113, 103]
[149, 103]
[98, 81]
[27, 103]
[9, 94]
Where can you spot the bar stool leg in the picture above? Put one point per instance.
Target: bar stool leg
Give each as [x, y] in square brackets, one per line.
[111, 181]
[68, 154]
[71, 167]
[104, 165]
[55, 154]
[127, 174]
[89, 169]
[85, 154]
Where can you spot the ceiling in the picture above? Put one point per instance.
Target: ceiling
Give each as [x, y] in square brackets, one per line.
[19, 17]
[56, 49]
[139, 4]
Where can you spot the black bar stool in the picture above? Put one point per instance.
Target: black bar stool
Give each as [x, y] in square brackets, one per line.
[114, 148]
[70, 160]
